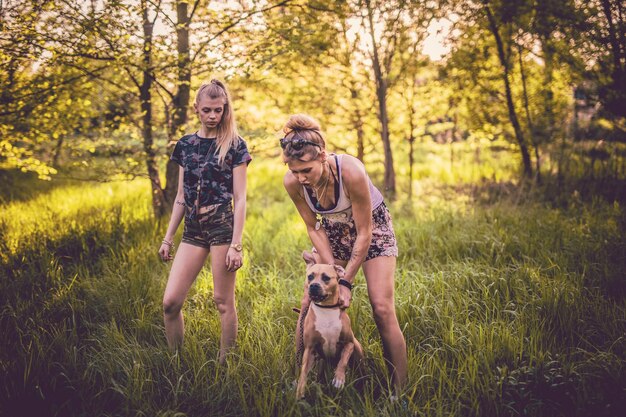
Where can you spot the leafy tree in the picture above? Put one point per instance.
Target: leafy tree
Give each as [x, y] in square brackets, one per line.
[608, 18]
[116, 43]
[41, 100]
[355, 91]
[293, 69]
[501, 24]
[214, 30]
[425, 109]
[493, 48]
[392, 27]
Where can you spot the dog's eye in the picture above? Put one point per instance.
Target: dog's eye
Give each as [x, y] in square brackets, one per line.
[311, 277]
[325, 278]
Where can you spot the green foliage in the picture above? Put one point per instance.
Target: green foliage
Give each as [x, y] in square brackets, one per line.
[507, 308]
[70, 87]
[50, 92]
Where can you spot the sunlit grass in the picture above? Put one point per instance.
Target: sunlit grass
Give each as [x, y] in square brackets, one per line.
[73, 210]
[508, 309]
[456, 164]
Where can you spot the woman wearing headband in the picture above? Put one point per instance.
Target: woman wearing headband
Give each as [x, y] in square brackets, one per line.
[348, 224]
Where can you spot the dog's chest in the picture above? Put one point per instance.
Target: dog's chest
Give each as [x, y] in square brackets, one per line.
[328, 324]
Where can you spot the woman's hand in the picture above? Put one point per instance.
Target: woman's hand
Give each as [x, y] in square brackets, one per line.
[234, 259]
[345, 297]
[166, 251]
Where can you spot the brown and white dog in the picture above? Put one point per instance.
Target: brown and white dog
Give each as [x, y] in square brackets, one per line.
[326, 332]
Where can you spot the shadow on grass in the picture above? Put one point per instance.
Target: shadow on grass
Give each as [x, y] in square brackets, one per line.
[45, 311]
[23, 186]
[558, 193]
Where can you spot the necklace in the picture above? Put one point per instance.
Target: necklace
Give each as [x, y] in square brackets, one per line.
[320, 195]
[318, 216]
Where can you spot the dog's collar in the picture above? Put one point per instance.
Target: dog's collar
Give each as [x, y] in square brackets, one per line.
[332, 306]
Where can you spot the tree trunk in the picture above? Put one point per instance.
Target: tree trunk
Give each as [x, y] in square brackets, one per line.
[145, 94]
[531, 127]
[411, 146]
[519, 135]
[411, 164]
[357, 122]
[616, 98]
[381, 95]
[548, 69]
[57, 151]
[360, 139]
[181, 99]
[390, 174]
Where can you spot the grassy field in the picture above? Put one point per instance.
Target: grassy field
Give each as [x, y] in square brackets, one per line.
[510, 307]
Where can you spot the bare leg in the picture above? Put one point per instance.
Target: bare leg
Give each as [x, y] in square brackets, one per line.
[187, 264]
[379, 273]
[224, 298]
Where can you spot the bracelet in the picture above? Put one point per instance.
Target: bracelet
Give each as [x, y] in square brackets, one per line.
[170, 244]
[345, 283]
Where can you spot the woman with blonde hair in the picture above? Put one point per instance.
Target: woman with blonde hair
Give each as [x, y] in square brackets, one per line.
[211, 198]
[348, 224]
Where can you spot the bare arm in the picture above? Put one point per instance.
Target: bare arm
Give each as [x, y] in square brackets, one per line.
[319, 239]
[178, 211]
[357, 187]
[234, 258]
[239, 200]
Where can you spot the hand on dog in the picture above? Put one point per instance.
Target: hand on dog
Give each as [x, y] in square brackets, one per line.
[345, 297]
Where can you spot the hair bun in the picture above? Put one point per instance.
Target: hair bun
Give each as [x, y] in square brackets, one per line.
[300, 122]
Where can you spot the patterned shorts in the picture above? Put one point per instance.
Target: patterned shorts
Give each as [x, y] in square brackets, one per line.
[341, 232]
[213, 226]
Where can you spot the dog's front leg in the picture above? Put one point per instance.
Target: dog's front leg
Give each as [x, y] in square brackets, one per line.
[308, 360]
[340, 372]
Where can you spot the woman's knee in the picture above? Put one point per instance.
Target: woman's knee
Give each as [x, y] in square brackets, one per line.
[172, 306]
[384, 312]
[224, 304]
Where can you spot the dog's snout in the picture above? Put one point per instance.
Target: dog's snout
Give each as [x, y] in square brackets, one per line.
[315, 288]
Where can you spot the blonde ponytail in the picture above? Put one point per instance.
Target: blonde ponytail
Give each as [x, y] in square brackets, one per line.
[227, 133]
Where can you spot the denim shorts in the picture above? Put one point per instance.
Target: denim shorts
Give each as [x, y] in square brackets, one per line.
[212, 225]
[341, 232]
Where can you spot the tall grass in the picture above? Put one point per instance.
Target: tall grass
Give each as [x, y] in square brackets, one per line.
[508, 309]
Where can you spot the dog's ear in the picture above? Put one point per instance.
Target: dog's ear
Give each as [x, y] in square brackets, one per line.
[340, 271]
[309, 258]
